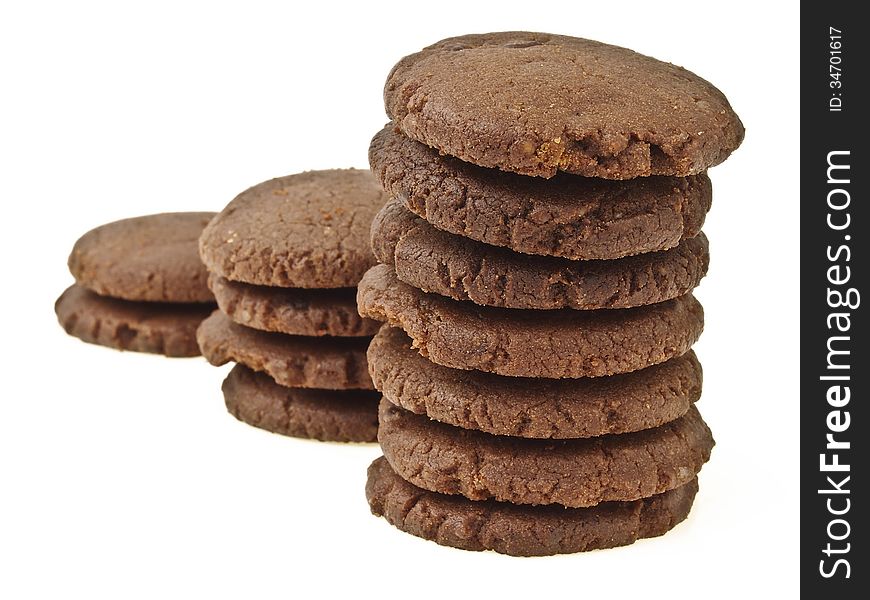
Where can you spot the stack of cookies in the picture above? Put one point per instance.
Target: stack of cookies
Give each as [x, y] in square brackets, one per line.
[284, 259]
[139, 286]
[538, 256]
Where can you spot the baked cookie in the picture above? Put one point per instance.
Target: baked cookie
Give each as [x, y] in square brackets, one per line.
[521, 530]
[531, 343]
[574, 473]
[309, 230]
[155, 327]
[462, 269]
[292, 361]
[532, 408]
[568, 216]
[327, 415]
[294, 311]
[536, 103]
[152, 258]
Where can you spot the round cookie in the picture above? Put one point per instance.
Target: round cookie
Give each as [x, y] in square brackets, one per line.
[572, 217]
[152, 258]
[154, 327]
[532, 408]
[309, 230]
[536, 103]
[531, 343]
[292, 361]
[294, 311]
[573, 473]
[462, 269]
[326, 415]
[521, 530]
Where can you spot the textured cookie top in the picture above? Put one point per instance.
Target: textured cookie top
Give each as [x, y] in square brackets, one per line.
[568, 216]
[532, 343]
[309, 230]
[536, 103]
[532, 408]
[152, 258]
[462, 269]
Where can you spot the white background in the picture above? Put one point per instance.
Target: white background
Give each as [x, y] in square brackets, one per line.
[122, 476]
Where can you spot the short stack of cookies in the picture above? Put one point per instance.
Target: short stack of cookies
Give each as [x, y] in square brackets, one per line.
[140, 285]
[284, 259]
[538, 256]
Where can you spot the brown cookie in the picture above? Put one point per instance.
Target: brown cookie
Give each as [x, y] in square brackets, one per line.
[327, 415]
[292, 310]
[152, 258]
[532, 408]
[569, 216]
[292, 361]
[462, 269]
[155, 327]
[521, 530]
[309, 230]
[535, 104]
[532, 343]
[573, 473]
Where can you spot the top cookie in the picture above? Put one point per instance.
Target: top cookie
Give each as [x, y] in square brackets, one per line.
[151, 258]
[309, 230]
[536, 103]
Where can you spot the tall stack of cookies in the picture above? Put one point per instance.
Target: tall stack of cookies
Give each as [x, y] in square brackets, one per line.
[538, 256]
[284, 259]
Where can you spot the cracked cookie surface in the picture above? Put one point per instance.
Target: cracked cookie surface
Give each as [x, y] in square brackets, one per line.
[536, 104]
[293, 361]
[309, 230]
[532, 343]
[573, 473]
[521, 530]
[326, 415]
[152, 258]
[294, 311]
[573, 217]
[462, 269]
[153, 327]
[532, 408]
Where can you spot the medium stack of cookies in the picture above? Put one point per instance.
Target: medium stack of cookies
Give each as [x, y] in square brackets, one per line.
[538, 256]
[139, 285]
[284, 258]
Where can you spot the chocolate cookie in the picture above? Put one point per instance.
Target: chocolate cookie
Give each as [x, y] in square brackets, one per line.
[292, 310]
[532, 408]
[152, 258]
[309, 230]
[573, 473]
[573, 217]
[521, 530]
[292, 361]
[327, 415]
[531, 343]
[155, 327]
[535, 104]
[462, 269]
